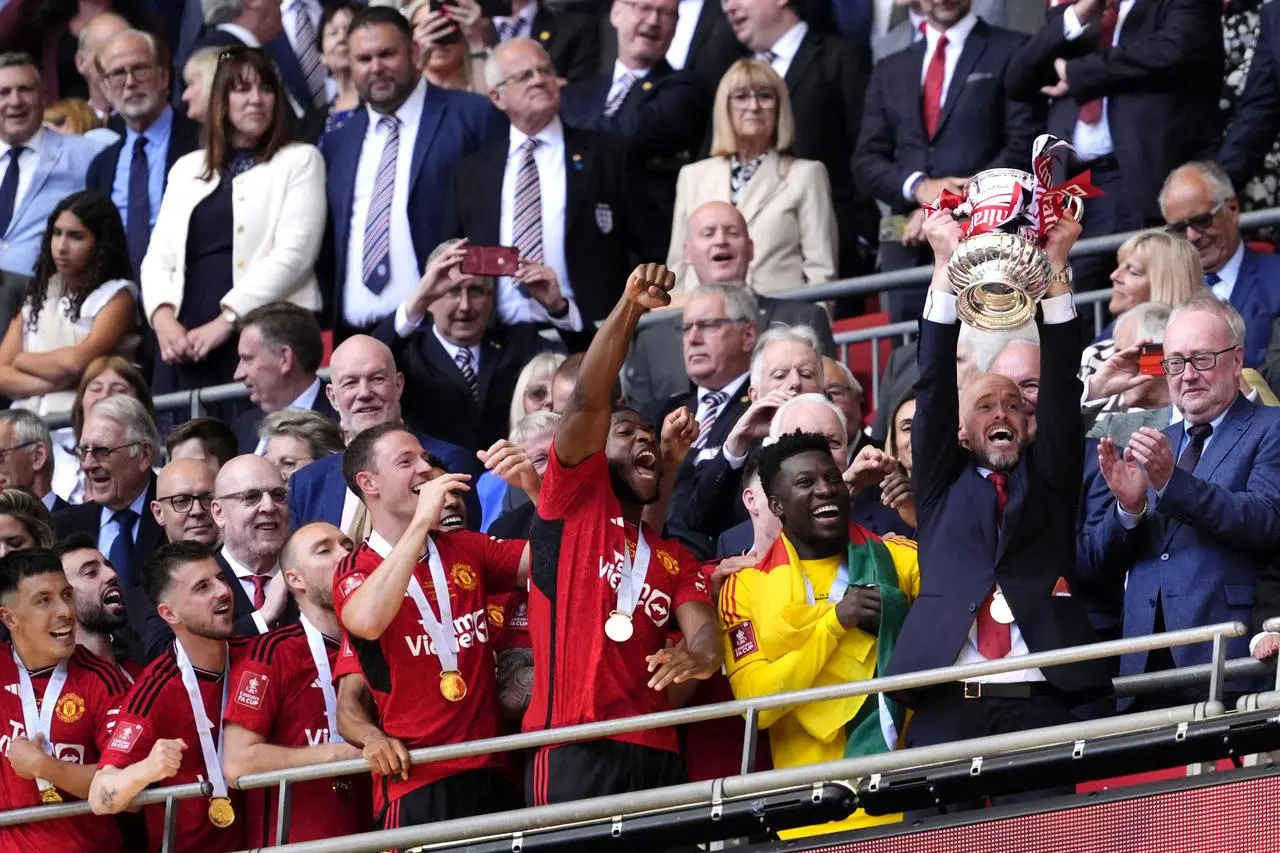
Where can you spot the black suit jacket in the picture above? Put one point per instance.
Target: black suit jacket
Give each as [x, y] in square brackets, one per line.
[571, 39]
[86, 518]
[826, 81]
[246, 426]
[1256, 125]
[441, 404]
[1162, 82]
[964, 552]
[712, 49]
[159, 636]
[981, 126]
[663, 120]
[605, 218]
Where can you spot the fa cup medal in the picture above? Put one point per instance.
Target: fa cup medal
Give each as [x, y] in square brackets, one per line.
[452, 686]
[221, 814]
[618, 627]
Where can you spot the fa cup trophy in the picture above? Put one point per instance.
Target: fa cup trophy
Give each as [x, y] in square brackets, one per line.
[1000, 270]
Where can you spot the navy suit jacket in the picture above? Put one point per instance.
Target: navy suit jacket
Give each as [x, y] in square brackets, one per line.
[246, 426]
[317, 492]
[1256, 296]
[964, 551]
[86, 518]
[1162, 83]
[184, 137]
[453, 125]
[1100, 565]
[1205, 541]
[1256, 124]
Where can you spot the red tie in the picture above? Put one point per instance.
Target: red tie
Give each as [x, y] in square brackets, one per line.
[1091, 111]
[994, 640]
[259, 589]
[933, 81]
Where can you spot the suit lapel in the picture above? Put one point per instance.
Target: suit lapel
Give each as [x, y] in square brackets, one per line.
[764, 186]
[984, 497]
[805, 54]
[433, 110]
[488, 190]
[542, 28]
[579, 157]
[974, 46]
[345, 163]
[45, 163]
[1225, 437]
[913, 88]
[439, 358]
[702, 29]
[243, 606]
[1012, 509]
[492, 350]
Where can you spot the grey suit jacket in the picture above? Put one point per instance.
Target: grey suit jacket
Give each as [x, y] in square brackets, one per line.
[1118, 426]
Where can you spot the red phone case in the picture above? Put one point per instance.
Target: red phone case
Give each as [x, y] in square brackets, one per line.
[1149, 358]
[490, 260]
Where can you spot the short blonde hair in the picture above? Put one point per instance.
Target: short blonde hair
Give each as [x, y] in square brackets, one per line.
[72, 116]
[202, 64]
[1172, 264]
[752, 74]
[542, 364]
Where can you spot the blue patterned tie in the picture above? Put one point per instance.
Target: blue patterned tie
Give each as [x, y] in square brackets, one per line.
[9, 188]
[138, 218]
[375, 267]
[121, 555]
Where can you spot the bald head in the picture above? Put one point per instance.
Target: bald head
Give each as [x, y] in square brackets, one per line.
[993, 420]
[249, 507]
[717, 245]
[246, 471]
[365, 388]
[96, 33]
[184, 490]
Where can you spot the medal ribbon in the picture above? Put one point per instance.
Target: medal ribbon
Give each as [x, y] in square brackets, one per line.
[212, 754]
[444, 642]
[633, 571]
[40, 722]
[320, 656]
[838, 586]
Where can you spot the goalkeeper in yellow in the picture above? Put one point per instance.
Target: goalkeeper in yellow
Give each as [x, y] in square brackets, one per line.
[823, 606]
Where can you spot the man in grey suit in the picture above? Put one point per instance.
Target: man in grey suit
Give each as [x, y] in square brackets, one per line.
[719, 250]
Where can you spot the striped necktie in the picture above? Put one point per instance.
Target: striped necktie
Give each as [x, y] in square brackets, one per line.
[526, 228]
[712, 402]
[619, 94]
[375, 267]
[509, 28]
[463, 359]
[768, 57]
[307, 49]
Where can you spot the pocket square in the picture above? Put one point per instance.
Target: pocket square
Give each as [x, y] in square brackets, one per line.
[1061, 590]
[979, 76]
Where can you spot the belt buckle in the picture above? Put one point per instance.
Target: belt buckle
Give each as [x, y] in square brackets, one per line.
[973, 689]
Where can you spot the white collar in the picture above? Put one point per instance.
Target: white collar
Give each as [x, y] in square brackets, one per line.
[379, 544]
[307, 398]
[1230, 271]
[241, 33]
[731, 388]
[410, 111]
[241, 571]
[789, 43]
[32, 144]
[139, 506]
[620, 71]
[552, 135]
[956, 33]
[452, 349]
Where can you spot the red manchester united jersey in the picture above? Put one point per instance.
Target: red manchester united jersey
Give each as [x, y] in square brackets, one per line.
[275, 692]
[83, 717]
[157, 708]
[401, 667]
[579, 674]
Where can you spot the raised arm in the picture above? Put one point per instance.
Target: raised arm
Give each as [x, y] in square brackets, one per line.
[1059, 423]
[584, 425]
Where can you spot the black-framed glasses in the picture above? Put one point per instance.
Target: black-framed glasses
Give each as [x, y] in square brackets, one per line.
[1201, 361]
[644, 10]
[252, 497]
[708, 325]
[1201, 222]
[142, 72]
[182, 503]
[5, 451]
[523, 78]
[100, 453]
[742, 98]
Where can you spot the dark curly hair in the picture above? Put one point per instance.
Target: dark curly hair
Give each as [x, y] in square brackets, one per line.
[109, 261]
[787, 445]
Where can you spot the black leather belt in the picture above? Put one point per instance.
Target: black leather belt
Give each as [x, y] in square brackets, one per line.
[998, 690]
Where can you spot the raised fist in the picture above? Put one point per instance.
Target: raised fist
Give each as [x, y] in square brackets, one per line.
[650, 285]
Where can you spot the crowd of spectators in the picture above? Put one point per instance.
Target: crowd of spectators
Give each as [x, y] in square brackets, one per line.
[493, 466]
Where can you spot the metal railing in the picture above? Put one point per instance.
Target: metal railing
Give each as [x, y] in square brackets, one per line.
[537, 818]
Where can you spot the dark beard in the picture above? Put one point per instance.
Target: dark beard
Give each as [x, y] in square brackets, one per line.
[97, 621]
[622, 489]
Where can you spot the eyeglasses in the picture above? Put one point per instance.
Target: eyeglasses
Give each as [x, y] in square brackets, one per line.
[765, 98]
[1202, 222]
[5, 451]
[252, 497]
[182, 503]
[644, 10]
[99, 453]
[142, 73]
[525, 77]
[1201, 361]
[708, 325]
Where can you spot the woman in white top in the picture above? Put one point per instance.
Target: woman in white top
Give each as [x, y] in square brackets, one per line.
[80, 304]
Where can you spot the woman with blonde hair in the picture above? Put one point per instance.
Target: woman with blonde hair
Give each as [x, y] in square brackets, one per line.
[24, 521]
[72, 116]
[452, 43]
[533, 386]
[197, 77]
[785, 201]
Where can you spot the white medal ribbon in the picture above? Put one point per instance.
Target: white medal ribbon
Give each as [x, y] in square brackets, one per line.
[42, 722]
[444, 642]
[212, 754]
[320, 656]
[839, 586]
[633, 572]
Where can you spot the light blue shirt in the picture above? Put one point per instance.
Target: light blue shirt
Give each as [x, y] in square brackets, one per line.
[157, 153]
[109, 528]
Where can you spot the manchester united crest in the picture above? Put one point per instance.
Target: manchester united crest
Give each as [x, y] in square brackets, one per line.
[463, 575]
[669, 563]
[495, 615]
[70, 707]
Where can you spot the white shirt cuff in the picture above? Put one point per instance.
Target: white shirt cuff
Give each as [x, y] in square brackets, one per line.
[1128, 520]
[1058, 309]
[263, 627]
[405, 325]
[1257, 638]
[1072, 29]
[940, 307]
[735, 462]
[910, 184]
[570, 322]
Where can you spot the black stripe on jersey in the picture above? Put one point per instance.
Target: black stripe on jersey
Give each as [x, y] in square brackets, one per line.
[374, 663]
[110, 675]
[544, 554]
[153, 681]
[263, 648]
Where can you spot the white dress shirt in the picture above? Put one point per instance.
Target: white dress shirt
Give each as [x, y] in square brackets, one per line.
[361, 306]
[109, 528]
[687, 21]
[1092, 141]
[27, 162]
[620, 71]
[242, 574]
[1228, 275]
[957, 34]
[785, 48]
[552, 182]
[524, 22]
[305, 400]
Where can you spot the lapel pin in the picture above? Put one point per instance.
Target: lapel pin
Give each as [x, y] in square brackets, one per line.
[577, 162]
[544, 36]
[646, 85]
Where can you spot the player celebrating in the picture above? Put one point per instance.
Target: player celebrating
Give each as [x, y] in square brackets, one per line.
[170, 723]
[283, 708]
[414, 606]
[102, 623]
[604, 586]
[57, 711]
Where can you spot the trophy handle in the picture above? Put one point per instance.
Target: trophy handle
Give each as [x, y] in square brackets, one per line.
[1073, 208]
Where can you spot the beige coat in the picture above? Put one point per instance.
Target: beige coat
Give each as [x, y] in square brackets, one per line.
[789, 216]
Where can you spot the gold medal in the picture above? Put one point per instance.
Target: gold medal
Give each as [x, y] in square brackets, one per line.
[452, 687]
[618, 627]
[50, 796]
[221, 814]
[1000, 610]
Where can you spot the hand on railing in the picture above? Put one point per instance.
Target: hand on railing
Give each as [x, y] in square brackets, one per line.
[387, 755]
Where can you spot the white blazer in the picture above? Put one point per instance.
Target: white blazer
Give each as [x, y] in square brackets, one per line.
[789, 216]
[278, 208]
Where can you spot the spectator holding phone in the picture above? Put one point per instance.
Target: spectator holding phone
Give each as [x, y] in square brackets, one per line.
[451, 39]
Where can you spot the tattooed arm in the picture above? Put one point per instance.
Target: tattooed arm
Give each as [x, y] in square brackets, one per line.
[114, 788]
[515, 681]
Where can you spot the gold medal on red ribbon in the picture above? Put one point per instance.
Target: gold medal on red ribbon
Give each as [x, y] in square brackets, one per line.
[221, 814]
[452, 686]
[50, 796]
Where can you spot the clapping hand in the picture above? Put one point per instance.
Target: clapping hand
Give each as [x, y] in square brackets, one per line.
[1124, 476]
